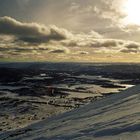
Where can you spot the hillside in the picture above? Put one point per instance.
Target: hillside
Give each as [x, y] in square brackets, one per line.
[116, 117]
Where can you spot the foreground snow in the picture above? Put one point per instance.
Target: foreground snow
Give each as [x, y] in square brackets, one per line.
[113, 118]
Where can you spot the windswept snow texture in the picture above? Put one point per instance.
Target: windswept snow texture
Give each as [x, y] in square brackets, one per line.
[114, 118]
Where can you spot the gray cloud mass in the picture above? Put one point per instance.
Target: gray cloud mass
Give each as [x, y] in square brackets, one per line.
[18, 38]
[31, 32]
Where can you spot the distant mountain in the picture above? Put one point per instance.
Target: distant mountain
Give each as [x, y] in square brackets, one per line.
[114, 118]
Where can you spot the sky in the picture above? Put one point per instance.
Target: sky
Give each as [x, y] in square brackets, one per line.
[70, 30]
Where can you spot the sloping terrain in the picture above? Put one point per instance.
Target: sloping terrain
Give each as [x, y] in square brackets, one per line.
[29, 95]
[114, 118]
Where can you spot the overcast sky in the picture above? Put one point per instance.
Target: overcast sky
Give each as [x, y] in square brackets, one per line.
[77, 15]
[70, 30]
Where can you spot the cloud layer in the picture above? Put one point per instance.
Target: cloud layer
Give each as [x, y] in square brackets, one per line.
[32, 39]
[31, 32]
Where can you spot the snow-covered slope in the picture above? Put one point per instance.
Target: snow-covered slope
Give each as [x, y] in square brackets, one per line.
[114, 118]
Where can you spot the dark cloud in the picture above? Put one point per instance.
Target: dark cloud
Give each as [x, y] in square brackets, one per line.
[130, 51]
[106, 43]
[97, 43]
[132, 45]
[31, 32]
[103, 45]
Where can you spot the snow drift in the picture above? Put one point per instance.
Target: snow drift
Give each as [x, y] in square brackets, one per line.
[116, 117]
